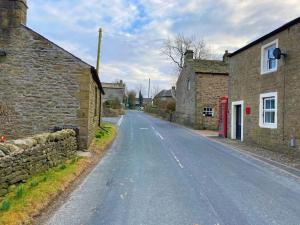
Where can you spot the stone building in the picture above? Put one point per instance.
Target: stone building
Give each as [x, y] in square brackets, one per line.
[264, 92]
[199, 87]
[42, 86]
[165, 96]
[113, 91]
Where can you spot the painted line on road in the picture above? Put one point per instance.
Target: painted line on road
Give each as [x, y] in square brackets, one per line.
[143, 128]
[159, 135]
[177, 160]
[120, 121]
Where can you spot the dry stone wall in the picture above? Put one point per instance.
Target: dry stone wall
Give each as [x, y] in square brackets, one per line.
[22, 158]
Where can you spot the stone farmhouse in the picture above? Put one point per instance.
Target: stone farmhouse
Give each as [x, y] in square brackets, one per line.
[114, 90]
[264, 89]
[200, 86]
[42, 86]
[165, 96]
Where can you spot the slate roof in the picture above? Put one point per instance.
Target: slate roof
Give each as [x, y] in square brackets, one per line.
[209, 66]
[166, 93]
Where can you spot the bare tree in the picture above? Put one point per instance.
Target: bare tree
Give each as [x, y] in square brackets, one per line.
[175, 48]
[155, 89]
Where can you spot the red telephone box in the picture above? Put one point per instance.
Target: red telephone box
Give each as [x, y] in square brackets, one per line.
[223, 117]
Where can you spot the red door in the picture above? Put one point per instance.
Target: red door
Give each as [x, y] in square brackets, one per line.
[223, 117]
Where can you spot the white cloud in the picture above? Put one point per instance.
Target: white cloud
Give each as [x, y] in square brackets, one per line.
[134, 29]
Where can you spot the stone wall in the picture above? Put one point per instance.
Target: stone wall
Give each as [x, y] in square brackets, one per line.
[114, 90]
[185, 99]
[247, 83]
[209, 89]
[44, 85]
[20, 159]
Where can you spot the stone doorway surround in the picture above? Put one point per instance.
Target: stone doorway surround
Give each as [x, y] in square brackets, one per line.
[233, 119]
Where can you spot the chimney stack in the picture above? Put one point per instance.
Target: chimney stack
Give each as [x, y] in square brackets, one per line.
[225, 56]
[13, 13]
[189, 55]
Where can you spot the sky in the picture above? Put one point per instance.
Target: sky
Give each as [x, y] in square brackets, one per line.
[134, 31]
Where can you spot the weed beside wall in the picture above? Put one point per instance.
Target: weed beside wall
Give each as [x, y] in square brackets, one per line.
[20, 159]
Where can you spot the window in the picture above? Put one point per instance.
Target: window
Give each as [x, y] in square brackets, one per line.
[268, 61]
[268, 110]
[207, 111]
[189, 85]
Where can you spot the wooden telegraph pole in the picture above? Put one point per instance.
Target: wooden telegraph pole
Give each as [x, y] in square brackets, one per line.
[98, 71]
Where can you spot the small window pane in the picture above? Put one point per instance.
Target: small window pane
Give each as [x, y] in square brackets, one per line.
[273, 104]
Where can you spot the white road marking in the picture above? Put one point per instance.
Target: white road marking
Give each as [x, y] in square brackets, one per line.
[159, 135]
[177, 160]
[120, 121]
[143, 128]
[152, 128]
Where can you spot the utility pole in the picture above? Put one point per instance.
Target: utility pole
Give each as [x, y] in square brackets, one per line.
[99, 50]
[149, 89]
[98, 71]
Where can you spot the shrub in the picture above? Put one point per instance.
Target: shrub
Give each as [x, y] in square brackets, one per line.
[63, 167]
[171, 106]
[20, 191]
[34, 184]
[5, 205]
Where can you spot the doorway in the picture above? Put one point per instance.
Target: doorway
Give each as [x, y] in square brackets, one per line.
[237, 120]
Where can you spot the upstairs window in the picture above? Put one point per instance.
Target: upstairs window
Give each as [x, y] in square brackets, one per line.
[188, 85]
[208, 111]
[268, 61]
[268, 110]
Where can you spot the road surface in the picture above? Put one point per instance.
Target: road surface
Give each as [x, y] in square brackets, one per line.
[157, 173]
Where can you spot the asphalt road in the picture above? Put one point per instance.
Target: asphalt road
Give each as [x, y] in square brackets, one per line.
[157, 173]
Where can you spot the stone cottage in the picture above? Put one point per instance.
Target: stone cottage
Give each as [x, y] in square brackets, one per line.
[200, 86]
[114, 90]
[264, 89]
[165, 96]
[42, 86]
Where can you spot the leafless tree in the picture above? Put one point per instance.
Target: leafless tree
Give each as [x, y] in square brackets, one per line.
[155, 90]
[175, 48]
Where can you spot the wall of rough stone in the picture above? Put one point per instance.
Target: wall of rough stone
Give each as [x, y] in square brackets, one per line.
[246, 83]
[209, 89]
[94, 112]
[20, 159]
[113, 90]
[44, 85]
[185, 99]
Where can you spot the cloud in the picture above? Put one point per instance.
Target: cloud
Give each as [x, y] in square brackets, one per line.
[134, 30]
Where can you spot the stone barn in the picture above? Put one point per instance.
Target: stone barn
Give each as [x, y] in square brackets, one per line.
[43, 86]
[200, 86]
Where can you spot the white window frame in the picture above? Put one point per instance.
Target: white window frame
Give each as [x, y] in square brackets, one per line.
[233, 119]
[264, 69]
[261, 110]
[205, 110]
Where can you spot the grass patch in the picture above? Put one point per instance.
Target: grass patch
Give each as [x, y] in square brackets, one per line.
[105, 136]
[26, 201]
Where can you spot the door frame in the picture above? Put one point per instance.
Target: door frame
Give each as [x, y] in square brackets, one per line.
[233, 119]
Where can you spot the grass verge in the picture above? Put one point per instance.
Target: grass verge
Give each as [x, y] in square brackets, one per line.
[26, 201]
